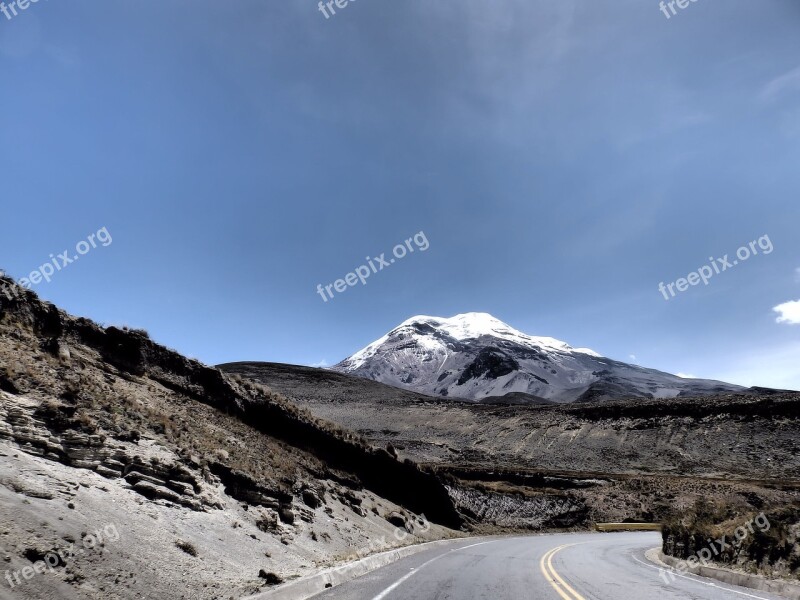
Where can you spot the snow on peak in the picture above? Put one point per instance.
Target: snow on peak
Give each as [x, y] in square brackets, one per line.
[463, 327]
[466, 326]
[472, 325]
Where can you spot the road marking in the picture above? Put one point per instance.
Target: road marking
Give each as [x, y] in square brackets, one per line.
[554, 579]
[696, 580]
[416, 570]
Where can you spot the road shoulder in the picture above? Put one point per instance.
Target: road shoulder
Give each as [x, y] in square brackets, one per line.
[728, 576]
[311, 585]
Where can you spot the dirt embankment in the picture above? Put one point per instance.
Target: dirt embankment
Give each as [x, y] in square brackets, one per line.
[214, 485]
[737, 535]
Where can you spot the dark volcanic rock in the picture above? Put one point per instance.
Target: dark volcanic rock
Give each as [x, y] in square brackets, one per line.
[490, 363]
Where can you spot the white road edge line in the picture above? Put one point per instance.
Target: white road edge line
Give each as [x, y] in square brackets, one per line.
[400, 581]
[698, 580]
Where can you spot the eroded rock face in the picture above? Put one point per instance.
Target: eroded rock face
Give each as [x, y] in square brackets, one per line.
[55, 434]
[268, 521]
[398, 520]
[286, 515]
[312, 498]
[507, 510]
[243, 487]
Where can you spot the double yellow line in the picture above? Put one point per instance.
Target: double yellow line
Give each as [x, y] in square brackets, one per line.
[554, 579]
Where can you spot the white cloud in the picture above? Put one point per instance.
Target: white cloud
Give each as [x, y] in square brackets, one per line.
[686, 376]
[632, 356]
[789, 312]
[321, 364]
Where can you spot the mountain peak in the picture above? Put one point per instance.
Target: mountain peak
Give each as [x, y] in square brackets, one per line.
[473, 325]
[465, 325]
[475, 355]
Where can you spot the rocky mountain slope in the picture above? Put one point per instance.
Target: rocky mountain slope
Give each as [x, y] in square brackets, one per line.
[604, 462]
[475, 356]
[139, 473]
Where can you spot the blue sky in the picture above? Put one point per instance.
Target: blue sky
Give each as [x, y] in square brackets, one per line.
[562, 158]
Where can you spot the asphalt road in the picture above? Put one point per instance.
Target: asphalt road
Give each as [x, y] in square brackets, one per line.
[609, 566]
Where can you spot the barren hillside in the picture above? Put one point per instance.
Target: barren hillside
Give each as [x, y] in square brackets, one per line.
[105, 434]
[610, 461]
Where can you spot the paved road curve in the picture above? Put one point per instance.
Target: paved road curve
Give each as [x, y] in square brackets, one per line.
[587, 566]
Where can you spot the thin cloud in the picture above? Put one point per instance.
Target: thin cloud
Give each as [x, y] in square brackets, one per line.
[777, 86]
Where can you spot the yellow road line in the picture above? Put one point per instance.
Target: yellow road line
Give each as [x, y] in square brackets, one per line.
[554, 579]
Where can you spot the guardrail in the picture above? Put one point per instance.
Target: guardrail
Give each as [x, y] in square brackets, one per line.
[628, 526]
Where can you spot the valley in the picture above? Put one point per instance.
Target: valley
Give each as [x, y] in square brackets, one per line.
[622, 459]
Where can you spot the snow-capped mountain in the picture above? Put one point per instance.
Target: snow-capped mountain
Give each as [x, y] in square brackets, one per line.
[475, 356]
